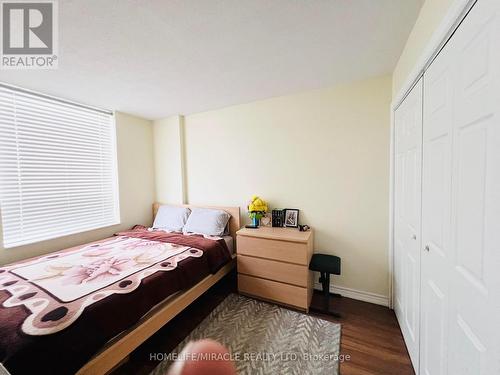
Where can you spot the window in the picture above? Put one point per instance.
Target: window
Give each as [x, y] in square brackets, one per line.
[58, 172]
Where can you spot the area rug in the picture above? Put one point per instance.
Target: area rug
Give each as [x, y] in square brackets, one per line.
[267, 339]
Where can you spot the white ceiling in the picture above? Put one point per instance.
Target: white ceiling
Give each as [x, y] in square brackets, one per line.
[156, 58]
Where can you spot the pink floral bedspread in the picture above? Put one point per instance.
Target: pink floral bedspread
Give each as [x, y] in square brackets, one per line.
[59, 310]
[57, 288]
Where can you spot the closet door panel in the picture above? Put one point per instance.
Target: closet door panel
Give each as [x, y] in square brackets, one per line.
[475, 297]
[412, 220]
[408, 167]
[398, 243]
[436, 212]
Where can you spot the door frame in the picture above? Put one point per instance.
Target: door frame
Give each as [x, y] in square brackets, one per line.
[452, 19]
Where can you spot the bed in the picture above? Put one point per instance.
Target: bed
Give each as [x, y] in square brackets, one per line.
[145, 279]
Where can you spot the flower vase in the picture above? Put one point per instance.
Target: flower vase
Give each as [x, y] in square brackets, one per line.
[255, 222]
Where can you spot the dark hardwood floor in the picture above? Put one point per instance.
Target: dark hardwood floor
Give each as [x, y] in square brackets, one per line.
[370, 334]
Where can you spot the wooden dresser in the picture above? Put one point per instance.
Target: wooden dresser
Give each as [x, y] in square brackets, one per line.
[273, 264]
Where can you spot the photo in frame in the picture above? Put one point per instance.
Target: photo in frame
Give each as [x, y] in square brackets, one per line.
[291, 217]
[266, 220]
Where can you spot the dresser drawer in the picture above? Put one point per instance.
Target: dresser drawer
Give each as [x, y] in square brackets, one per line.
[273, 290]
[273, 270]
[292, 252]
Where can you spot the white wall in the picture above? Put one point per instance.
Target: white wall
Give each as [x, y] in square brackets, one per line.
[325, 152]
[137, 190]
[431, 15]
[168, 146]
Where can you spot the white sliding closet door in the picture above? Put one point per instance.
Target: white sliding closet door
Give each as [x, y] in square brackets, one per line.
[475, 215]
[460, 319]
[436, 213]
[408, 167]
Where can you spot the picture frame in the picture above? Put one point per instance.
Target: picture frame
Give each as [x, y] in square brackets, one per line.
[291, 218]
[265, 221]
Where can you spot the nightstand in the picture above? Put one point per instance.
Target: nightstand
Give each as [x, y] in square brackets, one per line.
[273, 264]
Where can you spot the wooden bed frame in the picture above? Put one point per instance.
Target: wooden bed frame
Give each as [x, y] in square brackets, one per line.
[117, 351]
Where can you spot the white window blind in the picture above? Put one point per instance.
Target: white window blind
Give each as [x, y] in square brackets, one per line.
[58, 171]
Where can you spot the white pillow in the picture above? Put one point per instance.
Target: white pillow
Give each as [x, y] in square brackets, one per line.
[171, 218]
[207, 221]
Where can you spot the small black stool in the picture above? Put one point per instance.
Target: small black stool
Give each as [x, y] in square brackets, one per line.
[326, 265]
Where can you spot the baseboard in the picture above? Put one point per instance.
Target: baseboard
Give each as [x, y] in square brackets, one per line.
[360, 295]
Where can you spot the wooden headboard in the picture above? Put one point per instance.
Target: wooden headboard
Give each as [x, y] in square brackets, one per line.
[234, 220]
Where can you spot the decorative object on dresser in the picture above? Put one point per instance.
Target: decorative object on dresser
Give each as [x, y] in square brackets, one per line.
[291, 218]
[278, 217]
[266, 220]
[257, 208]
[273, 264]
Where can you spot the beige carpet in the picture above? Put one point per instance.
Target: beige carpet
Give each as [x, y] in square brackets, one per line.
[268, 339]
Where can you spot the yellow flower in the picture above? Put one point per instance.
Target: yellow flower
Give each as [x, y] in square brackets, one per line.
[257, 204]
